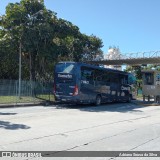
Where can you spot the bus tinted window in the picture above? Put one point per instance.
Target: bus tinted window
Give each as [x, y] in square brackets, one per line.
[65, 68]
[86, 73]
[131, 79]
[114, 78]
[124, 79]
[98, 75]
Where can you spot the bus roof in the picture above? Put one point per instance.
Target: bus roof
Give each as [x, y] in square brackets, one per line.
[96, 67]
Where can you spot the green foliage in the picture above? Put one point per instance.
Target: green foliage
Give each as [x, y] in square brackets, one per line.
[45, 39]
[136, 70]
[152, 67]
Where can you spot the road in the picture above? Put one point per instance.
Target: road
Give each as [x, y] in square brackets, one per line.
[109, 127]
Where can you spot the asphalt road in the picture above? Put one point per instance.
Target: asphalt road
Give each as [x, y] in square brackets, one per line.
[109, 127]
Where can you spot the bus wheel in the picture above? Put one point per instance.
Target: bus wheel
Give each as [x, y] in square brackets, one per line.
[98, 100]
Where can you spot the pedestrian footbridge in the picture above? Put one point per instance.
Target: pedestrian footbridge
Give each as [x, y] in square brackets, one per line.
[133, 59]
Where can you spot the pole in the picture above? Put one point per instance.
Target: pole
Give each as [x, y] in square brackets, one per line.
[20, 58]
[20, 68]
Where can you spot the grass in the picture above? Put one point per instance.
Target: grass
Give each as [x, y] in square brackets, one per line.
[7, 99]
[46, 97]
[25, 99]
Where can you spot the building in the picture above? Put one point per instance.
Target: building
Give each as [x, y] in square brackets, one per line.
[113, 53]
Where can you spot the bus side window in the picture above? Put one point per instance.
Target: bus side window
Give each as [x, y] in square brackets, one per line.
[123, 79]
[115, 78]
[105, 77]
[96, 75]
[86, 74]
[108, 77]
[83, 77]
[101, 77]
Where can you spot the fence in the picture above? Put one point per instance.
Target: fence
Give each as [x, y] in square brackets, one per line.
[30, 92]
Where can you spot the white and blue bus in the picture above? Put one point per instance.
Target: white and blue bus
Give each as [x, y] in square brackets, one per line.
[76, 82]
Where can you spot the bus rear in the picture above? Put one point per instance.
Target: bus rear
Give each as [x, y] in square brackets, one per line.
[65, 82]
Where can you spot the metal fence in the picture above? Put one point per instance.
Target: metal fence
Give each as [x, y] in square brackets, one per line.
[31, 92]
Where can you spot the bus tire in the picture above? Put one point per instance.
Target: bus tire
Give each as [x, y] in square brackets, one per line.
[98, 100]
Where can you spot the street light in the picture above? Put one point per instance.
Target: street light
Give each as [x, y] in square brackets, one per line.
[20, 56]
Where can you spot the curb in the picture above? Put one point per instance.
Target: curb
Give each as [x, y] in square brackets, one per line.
[19, 105]
[46, 103]
[141, 103]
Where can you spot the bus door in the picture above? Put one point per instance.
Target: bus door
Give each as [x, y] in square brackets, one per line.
[65, 80]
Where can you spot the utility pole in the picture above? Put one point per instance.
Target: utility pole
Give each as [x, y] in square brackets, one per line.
[20, 67]
[20, 57]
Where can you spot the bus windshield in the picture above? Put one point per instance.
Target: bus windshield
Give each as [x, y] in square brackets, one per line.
[65, 68]
[131, 79]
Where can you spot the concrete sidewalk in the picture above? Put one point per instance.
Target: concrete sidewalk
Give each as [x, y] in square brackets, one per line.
[47, 103]
[145, 103]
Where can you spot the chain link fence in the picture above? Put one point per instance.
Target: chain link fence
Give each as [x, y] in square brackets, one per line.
[30, 92]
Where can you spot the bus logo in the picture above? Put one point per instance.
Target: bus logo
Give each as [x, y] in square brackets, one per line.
[65, 76]
[124, 88]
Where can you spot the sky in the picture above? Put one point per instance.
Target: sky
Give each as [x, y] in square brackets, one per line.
[131, 25]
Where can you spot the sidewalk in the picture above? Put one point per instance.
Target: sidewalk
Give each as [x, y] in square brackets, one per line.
[47, 103]
[145, 103]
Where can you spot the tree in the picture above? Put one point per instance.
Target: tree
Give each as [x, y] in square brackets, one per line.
[31, 24]
[137, 70]
[92, 48]
[44, 38]
[8, 60]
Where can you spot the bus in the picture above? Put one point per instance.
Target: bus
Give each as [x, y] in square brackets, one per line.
[77, 82]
